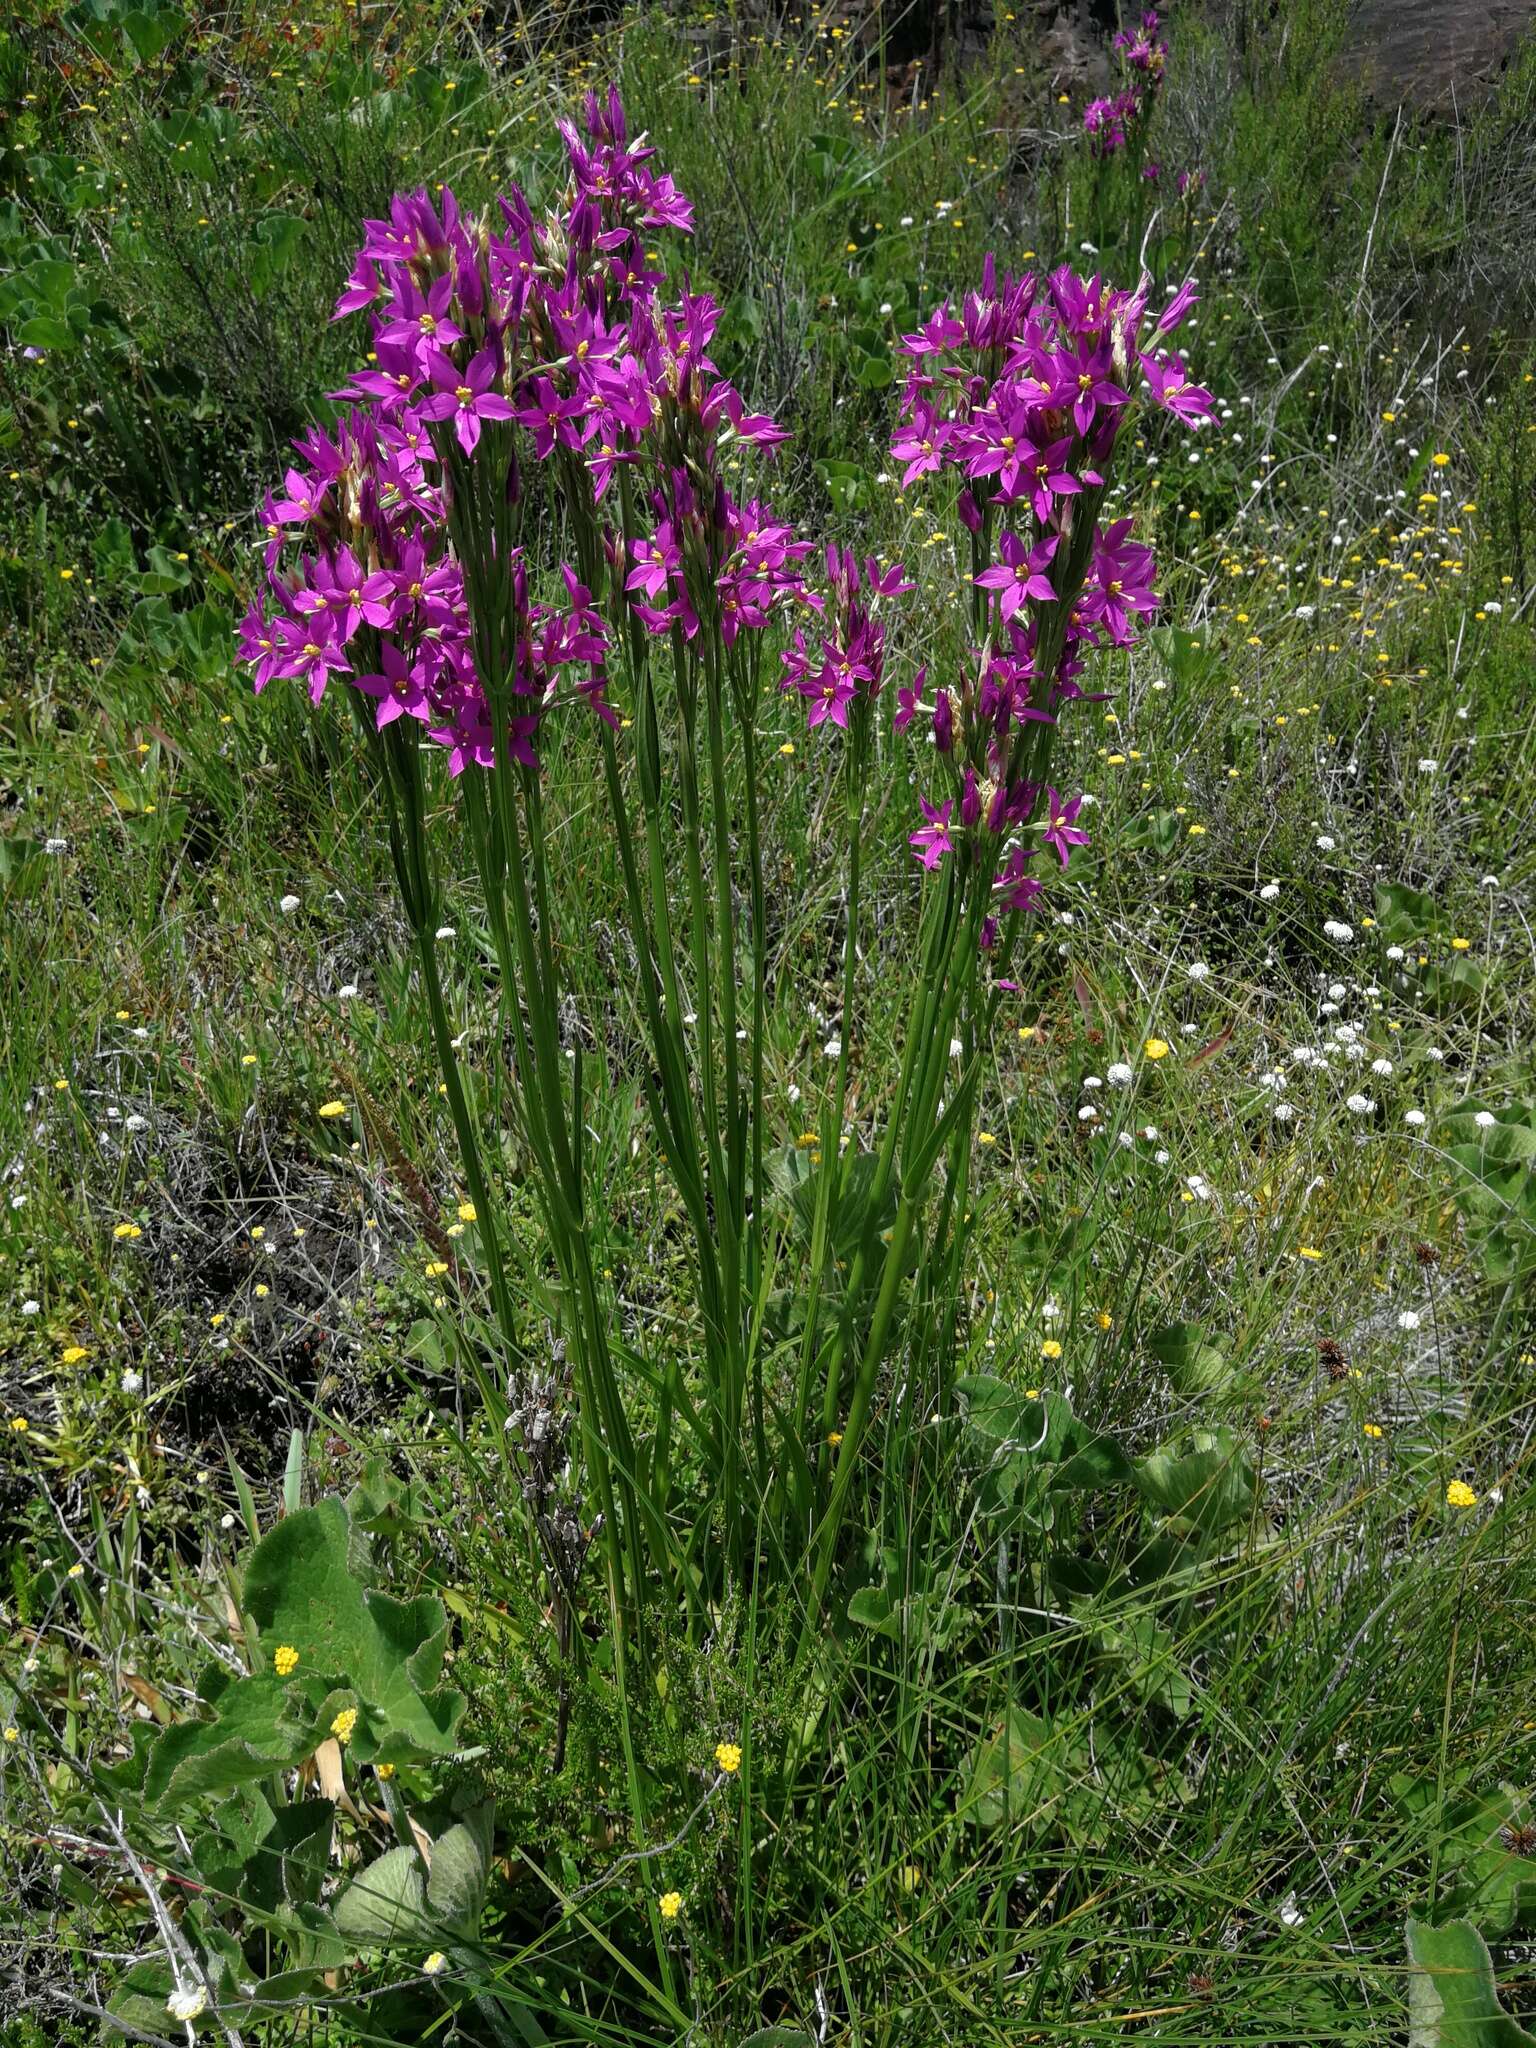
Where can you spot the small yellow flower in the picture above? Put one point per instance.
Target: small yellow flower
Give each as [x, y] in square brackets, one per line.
[72, 1354]
[788, 750]
[728, 1757]
[217, 1320]
[76, 1571]
[436, 1269]
[333, 1109]
[262, 1290]
[1104, 1319]
[126, 1230]
[384, 1771]
[669, 1905]
[61, 1083]
[1440, 461]
[344, 1723]
[466, 1212]
[248, 1059]
[834, 1437]
[13, 1734]
[1309, 1251]
[985, 1138]
[1156, 1048]
[1373, 1429]
[1459, 1495]
[1461, 945]
[20, 1424]
[122, 1016]
[435, 1963]
[285, 1659]
[1050, 1348]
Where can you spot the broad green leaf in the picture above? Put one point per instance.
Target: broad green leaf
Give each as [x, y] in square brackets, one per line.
[1209, 1484]
[1014, 1773]
[384, 1903]
[1452, 1998]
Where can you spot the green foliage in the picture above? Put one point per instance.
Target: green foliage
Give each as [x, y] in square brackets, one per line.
[1452, 1999]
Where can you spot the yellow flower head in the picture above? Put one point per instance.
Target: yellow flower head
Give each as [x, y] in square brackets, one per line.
[384, 1771]
[72, 1354]
[466, 1212]
[1050, 1348]
[728, 1757]
[435, 1963]
[285, 1659]
[13, 1735]
[126, 1230]
[670, 1904]
[344, 1723]
[1459, 1495]
[333, 1109]
[1156, 1048]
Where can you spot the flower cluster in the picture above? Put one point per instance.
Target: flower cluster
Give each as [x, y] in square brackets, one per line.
[503, 348]
[846, 666]
[1022, 395]
[1111, 123]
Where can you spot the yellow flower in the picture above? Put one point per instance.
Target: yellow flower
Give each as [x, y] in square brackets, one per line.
[20, 1424]
[72, 1354]
[728, 1757]
[911, 1877]
[1050, 1348]
[1440, 461]
[1461, 945]
[435, 1963]
[248, 1059]
[384, 1771]
[1459, 1495]
[13, 1735]
[436, 1269]
[126, 1230]
[285, 1659]
[1104, 1319]
[834, 1437]
[1156, 1048]
[330, 1109]
[1373, 1429]
[1309, 1251]
[76, 1571]
[466, 1212]
[344, 1723]
[670, 1904]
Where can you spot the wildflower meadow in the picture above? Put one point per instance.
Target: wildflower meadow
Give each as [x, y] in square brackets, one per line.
[768, 1147]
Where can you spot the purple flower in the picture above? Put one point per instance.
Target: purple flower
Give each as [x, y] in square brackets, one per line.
[1172, 390]
[464, 396]
[400, 689]
[1020, 574]
[1060, 832]
[932, 841]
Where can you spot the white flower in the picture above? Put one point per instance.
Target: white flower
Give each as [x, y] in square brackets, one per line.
[1306, 611]
[1337, 991]
[1051, 1313]
[1428, 767]
[1341, 934]
[1433, 1052]
[186, 2003]
[1489, 882]
[446, 931]
[31, 1308]
[956, 1049]
[1290, 1913]
[132, 1383]
[793, 1092]
[1283, 1112]
[1119, 1075]
[1485, 1119]
[1162, 1158]
[833, 1048]
[1360, 1105]
[1092, 1081]
[1382, 1067]
[1415, 1119]
[1149, 1132]
[55, 846]
[346, 992]
[287, 905]
[1197, 970]
[1087, 1113]
[226, 1521]
[1269, 892]
[1395, 953]
[1126, 1142]
[1324, 844]
[1408, 1319]
[435, 1964]
[1199, 1187]
[135, 1122]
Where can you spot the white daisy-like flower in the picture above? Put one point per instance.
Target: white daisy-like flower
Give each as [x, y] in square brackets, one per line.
[1408, 1319]
[287, 905]
[1415, 1119]
[1325, 843]
[132, 1382]
[1428, 767]
[1382, 1067]
[1269, 892]
[1335, 929]
[1485, 1119]
[1119, 1075]
[1197, 970]
[1395, 953]
[446, 931]
[1283, 1112]
[1359, 1105]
